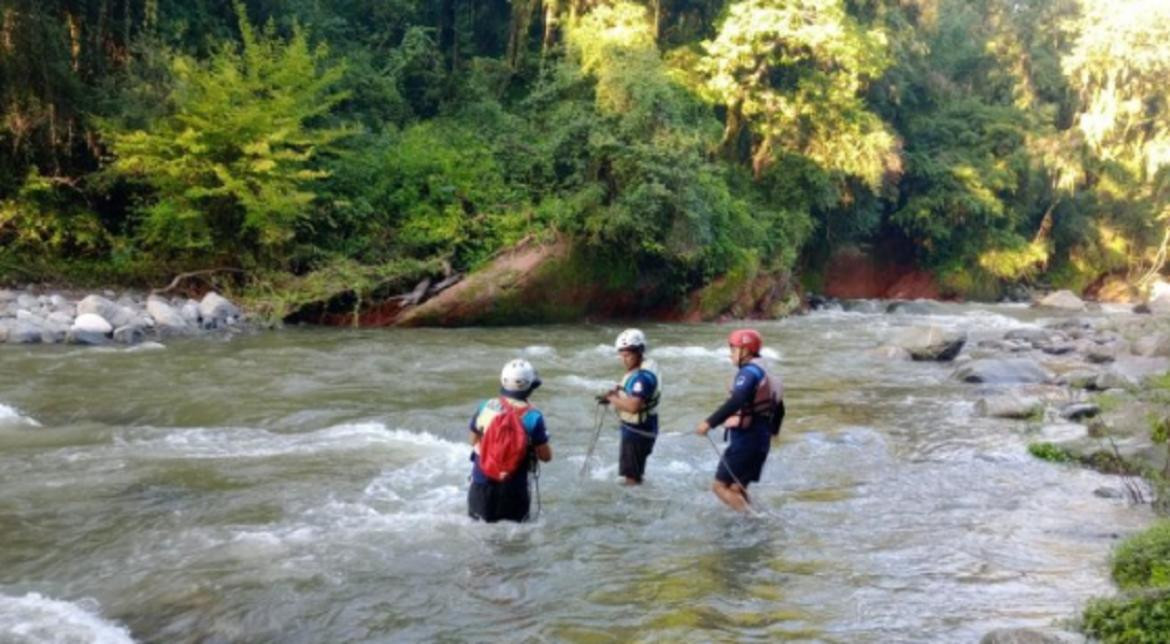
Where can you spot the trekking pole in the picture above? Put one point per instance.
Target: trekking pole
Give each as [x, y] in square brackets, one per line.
[742, 487]
[536, 480]
[598, 420]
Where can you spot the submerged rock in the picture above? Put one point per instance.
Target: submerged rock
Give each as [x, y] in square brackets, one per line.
[1079, 411]
[931, 343]
[1064, 299]
[1008, 405]
[1003, 371]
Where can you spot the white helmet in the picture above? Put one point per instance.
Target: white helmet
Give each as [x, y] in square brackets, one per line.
[519, 375]
[630, 339]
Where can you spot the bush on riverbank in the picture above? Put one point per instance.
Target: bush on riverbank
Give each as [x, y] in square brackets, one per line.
[1141, 569]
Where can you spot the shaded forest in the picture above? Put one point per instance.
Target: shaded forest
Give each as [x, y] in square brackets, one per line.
[349, 145]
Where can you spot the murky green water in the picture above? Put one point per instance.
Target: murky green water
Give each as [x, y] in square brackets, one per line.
[309, 486]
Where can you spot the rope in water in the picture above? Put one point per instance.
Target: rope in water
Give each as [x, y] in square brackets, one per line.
[726, 466]
[598, 421]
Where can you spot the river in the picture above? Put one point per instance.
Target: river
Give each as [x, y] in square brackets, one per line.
[308, 485]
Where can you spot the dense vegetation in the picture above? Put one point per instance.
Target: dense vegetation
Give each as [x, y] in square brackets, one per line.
[1141, 568]
[363, 141]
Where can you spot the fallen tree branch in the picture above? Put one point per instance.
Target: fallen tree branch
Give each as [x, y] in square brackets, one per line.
[182, 276]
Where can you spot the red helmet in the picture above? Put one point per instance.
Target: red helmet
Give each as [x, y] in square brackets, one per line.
[749, 338]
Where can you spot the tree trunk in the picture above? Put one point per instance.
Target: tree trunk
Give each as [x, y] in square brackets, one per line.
[522, 13]
[657, 19]
[447, 40]
[552, 14]
[731, 129]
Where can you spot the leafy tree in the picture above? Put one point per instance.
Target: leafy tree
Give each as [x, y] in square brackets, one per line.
[792, 74]
[1118, 68]
[231, 166]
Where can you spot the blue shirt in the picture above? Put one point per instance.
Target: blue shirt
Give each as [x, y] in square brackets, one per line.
[743, 392]
[533, 422]
[642, 385]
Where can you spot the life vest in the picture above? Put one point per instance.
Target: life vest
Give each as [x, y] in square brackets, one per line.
[765, 402]
[651, 404]
[501, 456]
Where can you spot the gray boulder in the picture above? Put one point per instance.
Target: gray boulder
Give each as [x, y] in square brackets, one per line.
[1064, 300]
[1008, 405]
[1113, 380]
[60, 318]
[116, 314]
[1100, 354]
[1159, 305]
[931, 343]
[190, 312]
[89, 328]
[217, 311]
[27, 302]
[1079, 411]
[1003, 371]
[1151, 345]
[167, 319]
[1080, 378]
[24, 332]
[130, 334]
[54, 333]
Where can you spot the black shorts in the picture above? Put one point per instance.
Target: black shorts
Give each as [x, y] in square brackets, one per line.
[491, 502]
[635, 451]
[746, 462]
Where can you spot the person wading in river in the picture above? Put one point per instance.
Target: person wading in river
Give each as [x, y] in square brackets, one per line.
[507, 437]
[751, 415]
[636, 402]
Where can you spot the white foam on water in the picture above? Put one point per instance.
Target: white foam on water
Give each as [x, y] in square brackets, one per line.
[245, 442]
[539, 350]
[601, 349]
[11, 416]
[35, 619]
[679, 467]
[134, 348]
[770, 353]
[597, 385]
[691, 351]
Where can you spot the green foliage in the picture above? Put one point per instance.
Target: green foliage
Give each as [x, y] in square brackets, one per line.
[449, 194]
[41, 219]
[1144, 619]
[1051, 453]
[992, 141]
[1141, 568]
[1143, 561]
[230, 167]
[793, 73]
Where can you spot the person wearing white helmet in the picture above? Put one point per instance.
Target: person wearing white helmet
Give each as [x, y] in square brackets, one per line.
[500, 465]
[636, 401]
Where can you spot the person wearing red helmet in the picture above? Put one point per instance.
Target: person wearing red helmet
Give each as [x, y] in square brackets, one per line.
[747, 415]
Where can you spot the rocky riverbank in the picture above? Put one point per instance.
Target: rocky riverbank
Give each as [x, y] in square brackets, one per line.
[1090, 390]
[33, 317]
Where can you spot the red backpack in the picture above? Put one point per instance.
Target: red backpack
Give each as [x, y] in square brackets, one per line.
[504, 444]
